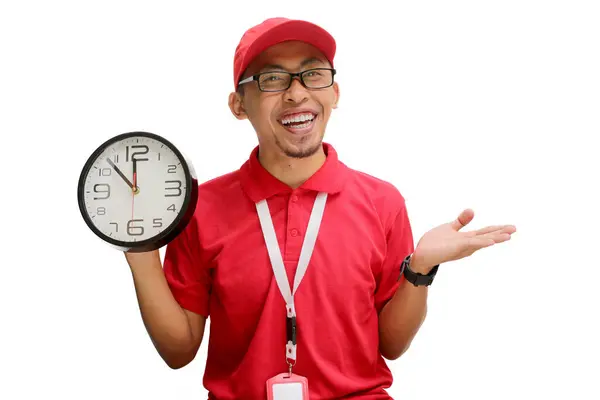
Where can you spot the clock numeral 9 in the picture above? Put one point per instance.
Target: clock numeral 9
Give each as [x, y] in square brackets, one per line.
[97, 187]
[178, 188]
[135, 230]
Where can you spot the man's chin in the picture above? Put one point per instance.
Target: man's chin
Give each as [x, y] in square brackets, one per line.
[301, 150]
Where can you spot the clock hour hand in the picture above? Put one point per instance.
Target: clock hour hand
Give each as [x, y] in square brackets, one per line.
[120, 173]
[134, 186]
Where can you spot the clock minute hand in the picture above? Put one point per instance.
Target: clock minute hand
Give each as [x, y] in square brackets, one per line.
[120, 173]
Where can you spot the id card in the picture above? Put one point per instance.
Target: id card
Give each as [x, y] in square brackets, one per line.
[284, 387]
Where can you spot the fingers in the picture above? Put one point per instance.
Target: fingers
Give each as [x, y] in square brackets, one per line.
[479, 242]
[501, 235]
[495, 228]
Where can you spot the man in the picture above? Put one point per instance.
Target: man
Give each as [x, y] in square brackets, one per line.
[359, 298]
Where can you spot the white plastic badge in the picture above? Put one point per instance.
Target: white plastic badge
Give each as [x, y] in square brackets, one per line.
[286, 387]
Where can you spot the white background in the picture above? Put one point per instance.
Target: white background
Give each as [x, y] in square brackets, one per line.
[481, 104]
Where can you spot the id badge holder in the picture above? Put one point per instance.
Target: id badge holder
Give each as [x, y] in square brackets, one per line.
[287, 387]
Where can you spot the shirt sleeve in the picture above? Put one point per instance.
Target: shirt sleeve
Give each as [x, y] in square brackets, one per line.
[399, 244]
[186, 272]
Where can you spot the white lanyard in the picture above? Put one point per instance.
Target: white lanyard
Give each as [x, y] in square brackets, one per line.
[308, 246]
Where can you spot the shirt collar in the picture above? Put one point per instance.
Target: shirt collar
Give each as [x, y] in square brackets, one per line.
[259, 184]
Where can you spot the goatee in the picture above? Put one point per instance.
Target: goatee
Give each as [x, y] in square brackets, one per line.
[303, 153]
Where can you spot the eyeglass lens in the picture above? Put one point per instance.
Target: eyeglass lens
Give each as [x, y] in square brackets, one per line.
[314, 79]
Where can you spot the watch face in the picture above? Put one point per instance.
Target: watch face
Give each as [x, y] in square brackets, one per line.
[137, 191]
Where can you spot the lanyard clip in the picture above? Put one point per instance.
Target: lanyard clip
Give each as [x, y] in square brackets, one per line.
[290, 365]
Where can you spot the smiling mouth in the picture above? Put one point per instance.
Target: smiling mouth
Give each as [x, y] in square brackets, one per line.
[298, 123]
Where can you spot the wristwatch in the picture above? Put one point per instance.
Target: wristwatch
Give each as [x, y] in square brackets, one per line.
[416, 278]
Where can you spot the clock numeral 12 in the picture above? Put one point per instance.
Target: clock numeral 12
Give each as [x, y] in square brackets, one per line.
[133, 154]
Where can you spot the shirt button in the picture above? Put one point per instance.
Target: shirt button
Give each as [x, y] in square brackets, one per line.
[294, 232]
[294, 198]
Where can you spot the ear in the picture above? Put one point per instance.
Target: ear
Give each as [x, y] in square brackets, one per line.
[336, 90]
[236, 105]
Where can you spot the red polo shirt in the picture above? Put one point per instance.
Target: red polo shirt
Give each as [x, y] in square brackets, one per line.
[219, 267]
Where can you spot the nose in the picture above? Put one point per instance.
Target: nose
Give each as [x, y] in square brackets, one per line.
[296, 93]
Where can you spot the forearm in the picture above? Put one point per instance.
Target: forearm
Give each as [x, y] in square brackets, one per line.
[401, 318]
[164, 319]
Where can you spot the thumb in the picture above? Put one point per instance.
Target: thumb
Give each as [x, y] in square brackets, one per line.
[463, 219]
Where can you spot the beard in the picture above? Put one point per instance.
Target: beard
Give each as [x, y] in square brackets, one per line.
[304, 150]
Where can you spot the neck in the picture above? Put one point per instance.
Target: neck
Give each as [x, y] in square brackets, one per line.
[292, 171]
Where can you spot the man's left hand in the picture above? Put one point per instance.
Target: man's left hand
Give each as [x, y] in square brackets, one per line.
[447, 243]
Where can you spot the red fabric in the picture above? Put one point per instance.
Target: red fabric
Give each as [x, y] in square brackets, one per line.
[276, 30]
[219, 267]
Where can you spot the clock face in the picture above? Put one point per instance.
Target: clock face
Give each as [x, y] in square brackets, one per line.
[137, 190]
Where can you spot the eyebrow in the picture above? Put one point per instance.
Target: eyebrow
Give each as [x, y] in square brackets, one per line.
[270, 67]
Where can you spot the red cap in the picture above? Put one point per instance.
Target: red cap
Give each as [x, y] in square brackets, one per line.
[276, 30]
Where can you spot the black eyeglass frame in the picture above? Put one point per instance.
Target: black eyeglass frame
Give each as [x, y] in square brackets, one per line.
[292, 76]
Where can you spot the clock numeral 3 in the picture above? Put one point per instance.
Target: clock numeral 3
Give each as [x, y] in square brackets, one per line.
[178, 189]
[135, 230]
[97, 186]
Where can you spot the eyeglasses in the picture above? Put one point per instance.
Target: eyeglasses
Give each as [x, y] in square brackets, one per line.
[278, 81]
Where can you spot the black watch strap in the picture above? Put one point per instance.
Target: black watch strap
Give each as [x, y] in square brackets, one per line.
[416, 278]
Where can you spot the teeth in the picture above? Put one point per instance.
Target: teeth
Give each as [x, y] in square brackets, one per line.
[304, 125]
[297, 118]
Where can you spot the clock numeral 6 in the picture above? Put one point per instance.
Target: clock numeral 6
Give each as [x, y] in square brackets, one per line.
[134, 230]
[106, 191]
[178, 189]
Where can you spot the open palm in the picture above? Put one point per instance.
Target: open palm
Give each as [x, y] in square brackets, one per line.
[447, 242]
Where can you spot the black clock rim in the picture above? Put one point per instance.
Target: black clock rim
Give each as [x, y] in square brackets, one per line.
[169, 233]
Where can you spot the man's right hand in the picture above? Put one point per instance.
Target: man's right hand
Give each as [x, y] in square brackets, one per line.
[175, 332]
